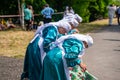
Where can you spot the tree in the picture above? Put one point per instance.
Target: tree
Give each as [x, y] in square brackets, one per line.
[89, 10]
[8, 7]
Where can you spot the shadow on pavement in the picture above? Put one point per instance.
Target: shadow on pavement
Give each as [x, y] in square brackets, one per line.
[113, 28]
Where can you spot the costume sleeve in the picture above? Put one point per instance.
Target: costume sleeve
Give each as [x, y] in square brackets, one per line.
[72, 49]
[52, 11]
[49, 34]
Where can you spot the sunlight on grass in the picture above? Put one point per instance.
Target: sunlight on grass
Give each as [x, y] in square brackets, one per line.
[14, 43]
[95, 25]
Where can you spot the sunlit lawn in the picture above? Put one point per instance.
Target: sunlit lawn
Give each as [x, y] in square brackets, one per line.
[13, 43]
[88, 27]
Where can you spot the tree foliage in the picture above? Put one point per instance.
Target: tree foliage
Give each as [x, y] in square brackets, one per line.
[8, 7]
[89, 10]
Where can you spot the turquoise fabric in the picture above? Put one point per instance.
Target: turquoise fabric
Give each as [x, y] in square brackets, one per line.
[60, 35]
[53, 68]
[71, 31]
[27, 14]
[32, 62]
[72, 48]
[50, 35]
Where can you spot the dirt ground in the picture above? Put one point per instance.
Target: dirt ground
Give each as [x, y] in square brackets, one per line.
[102, 59]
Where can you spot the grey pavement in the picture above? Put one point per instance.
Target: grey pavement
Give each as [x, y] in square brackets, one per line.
[103, 58]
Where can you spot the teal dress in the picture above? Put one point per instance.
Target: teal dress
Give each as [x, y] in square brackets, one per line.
[32, 58]
[59, 59]
[36, 48]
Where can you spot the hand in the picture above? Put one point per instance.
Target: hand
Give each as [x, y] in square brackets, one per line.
[83, 66]
[70, 68]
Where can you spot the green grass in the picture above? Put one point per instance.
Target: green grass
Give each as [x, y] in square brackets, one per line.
[13, 42]
[89, 27]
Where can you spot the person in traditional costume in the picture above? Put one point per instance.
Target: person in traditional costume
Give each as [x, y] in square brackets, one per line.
[40, 45]
[64, 61]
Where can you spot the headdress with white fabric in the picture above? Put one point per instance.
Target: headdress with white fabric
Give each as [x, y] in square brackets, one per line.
[80, 37]
[87, 38]
[74, 22]
[74, 19]
[62, 23]
[78, 18]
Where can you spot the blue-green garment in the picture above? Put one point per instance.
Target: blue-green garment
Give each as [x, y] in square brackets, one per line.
[71, 31]
[49, 35]
[72, 48]
[53, 64]
[32, 62]
[53, 68]
[27, 14]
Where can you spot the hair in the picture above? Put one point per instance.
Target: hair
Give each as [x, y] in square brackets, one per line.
[46, 5]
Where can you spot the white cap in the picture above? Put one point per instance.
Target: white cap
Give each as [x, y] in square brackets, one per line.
[89, 40]
[63, 24]
[75, 19]
[68, 16]
[78, 18]
[74, 22]
[80, 37]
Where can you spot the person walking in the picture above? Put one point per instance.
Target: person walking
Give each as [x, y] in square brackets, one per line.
[111, 13]
[118, 15]
[32, 18]
[47, 13]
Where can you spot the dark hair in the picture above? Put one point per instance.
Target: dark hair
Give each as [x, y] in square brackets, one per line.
[46, 5]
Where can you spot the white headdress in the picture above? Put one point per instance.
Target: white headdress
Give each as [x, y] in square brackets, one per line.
[87, 38]
[80, 37]
[78, 18]
[62, 23]
[75, 19]
[74, 22]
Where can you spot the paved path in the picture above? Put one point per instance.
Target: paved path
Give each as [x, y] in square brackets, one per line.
[103, 58]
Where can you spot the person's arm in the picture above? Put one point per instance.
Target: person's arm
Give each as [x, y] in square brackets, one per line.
[82, 65]
[52, 11]
[42, 12]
